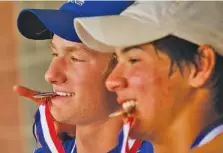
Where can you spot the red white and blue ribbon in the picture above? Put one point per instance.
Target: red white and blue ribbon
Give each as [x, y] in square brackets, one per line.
[129, 145]
[47, 136]
[45, 130]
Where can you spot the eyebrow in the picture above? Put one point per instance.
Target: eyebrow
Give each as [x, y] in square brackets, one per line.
[128, 49]
[69, 48]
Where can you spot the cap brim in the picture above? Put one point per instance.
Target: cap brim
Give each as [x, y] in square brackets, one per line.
[40, 24]
[105, 33]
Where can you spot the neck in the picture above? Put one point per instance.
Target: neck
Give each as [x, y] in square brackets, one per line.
[98, 137]
[188, 124]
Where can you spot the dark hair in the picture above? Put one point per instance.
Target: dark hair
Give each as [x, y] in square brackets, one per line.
[182, 52]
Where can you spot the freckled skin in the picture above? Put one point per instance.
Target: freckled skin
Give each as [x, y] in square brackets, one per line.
[171, 111]
[85, 78]
[148, 82]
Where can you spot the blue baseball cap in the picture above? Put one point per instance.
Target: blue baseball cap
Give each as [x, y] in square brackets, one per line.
[41, 24]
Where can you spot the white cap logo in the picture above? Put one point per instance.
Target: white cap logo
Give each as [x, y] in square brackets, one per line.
[78, 2]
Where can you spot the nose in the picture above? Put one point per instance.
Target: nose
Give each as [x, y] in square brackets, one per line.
[56, 72]
[116, 80]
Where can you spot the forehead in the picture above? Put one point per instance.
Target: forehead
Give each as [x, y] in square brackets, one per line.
[146, 52]
[64, 46]
[134, 49]
[61, 44]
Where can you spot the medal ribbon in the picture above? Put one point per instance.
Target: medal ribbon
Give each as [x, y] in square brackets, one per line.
[125, 144]
[45, 130]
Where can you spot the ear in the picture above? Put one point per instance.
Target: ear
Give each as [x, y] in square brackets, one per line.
[205, 64]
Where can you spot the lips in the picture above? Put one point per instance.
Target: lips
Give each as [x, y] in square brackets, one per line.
[124, 99]
[61, 96]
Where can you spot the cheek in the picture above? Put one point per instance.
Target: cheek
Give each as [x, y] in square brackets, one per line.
[148, 82]
[84, 75]
[151, 89]
[87, 82]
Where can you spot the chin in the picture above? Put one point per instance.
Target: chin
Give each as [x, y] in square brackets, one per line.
[58, 116]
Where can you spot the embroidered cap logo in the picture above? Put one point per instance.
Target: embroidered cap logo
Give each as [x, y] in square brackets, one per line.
[78, 2]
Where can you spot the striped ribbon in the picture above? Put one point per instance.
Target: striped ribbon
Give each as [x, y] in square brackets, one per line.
[129, 145]
[46, 134]
[45, 130]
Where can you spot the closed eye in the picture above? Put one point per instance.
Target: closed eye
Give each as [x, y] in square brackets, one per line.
[133, 60]
[76, 59]
[54, 54]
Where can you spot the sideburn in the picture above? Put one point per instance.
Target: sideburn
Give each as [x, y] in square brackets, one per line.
[111, 64]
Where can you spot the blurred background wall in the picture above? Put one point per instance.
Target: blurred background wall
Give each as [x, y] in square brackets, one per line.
[23, 62]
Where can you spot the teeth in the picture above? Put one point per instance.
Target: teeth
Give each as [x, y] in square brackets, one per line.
[128, 106]
[64, 94]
